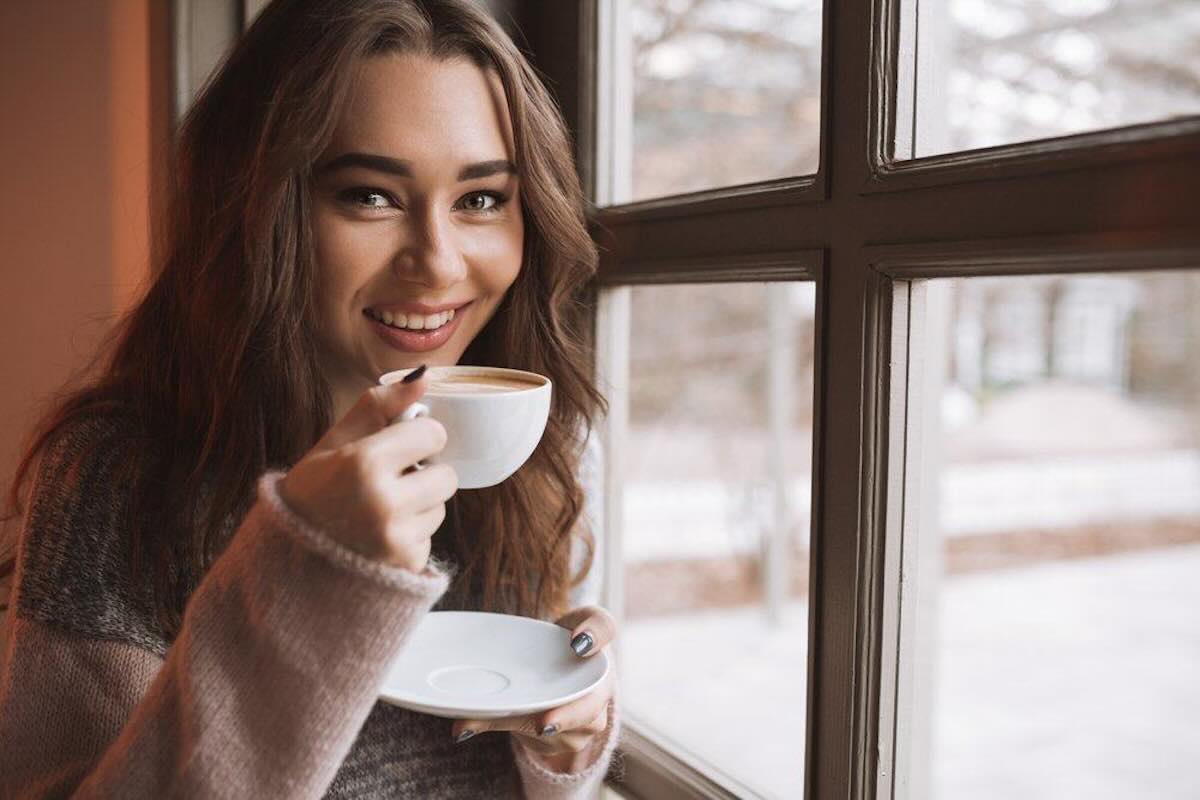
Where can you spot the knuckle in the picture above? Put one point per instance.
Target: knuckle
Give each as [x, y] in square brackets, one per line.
[449, 479]
[360, 463]
[599, 616]
[376, 505]
[373, 463]
[405, 532]
[426, 525]
[435, 434]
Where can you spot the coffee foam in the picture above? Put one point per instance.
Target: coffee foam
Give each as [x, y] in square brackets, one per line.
[479, 384]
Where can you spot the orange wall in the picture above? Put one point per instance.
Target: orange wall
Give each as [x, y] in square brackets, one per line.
[82, 118]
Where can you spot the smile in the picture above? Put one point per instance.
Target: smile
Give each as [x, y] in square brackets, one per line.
[411, 322]
[415, 333]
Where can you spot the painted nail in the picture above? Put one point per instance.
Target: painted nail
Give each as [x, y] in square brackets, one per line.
[462, 737]
[582, 643]
[549, 730]
[412, 376]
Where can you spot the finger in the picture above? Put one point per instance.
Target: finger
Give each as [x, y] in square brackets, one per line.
[418, 491]
[525, 724]
[375, 410]
[592, 629]
[575, 740]
[403, 444]
[417, 527]
[577, 716]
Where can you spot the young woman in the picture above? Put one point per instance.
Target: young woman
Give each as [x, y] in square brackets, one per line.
[223, 547]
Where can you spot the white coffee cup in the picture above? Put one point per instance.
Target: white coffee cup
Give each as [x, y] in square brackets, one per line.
[494, 418]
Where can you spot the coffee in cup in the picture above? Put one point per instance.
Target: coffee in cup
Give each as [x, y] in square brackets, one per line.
[477, 384]
[494, 418]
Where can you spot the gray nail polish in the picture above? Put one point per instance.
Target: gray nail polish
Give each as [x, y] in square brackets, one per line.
[582, 643]
[462, 737]
[549, 730]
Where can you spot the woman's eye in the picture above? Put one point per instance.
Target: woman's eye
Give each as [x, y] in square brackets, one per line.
[481, 202]
[367, 198]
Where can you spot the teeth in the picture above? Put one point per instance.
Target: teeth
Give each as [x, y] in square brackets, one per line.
[413, 322]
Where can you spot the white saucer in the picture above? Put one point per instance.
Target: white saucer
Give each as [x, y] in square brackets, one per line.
[476, 665]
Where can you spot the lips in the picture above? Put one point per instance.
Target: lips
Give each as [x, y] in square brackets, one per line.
[414, 341]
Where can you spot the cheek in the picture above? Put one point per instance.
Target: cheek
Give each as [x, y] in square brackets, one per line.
[344, 256]
[502, 261]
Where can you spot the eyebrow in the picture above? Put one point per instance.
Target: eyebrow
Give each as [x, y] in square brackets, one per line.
[403, 168]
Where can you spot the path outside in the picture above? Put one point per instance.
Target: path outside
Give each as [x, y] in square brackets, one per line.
[1073, 679]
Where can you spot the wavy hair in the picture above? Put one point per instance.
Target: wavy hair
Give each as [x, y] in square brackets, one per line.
[217, 364]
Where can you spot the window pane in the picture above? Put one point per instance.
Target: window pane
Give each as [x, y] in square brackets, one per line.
[995, 72]
[725, 92]
[717, 492]
[1057, 644]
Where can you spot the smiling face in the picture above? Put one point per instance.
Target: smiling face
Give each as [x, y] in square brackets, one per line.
[417, 220]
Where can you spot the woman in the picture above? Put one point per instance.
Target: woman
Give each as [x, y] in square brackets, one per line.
[223, 546]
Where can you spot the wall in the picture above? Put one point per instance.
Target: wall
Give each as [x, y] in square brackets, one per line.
[83, 122]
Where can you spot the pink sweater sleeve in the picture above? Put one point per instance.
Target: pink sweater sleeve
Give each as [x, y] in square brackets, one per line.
[279, 660]
[541, 783]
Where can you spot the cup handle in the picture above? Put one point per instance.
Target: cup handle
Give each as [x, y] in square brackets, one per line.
[412, 412]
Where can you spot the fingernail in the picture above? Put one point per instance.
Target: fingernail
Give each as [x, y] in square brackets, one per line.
[462, 737]
[549, 730]
[582, 643]
[412, 376]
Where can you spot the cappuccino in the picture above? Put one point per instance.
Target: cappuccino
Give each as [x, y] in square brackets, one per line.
[494, 418]
[478, 384]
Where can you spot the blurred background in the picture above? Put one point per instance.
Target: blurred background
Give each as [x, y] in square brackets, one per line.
[86, 104]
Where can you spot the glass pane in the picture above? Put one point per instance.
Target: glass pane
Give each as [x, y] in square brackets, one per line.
[716, 522]
[994, 72]
[725, 92]
[1057, 644]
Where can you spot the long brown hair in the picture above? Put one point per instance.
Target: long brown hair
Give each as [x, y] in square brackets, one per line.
[217, 365]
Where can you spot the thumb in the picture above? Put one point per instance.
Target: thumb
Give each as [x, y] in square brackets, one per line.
[376, 408]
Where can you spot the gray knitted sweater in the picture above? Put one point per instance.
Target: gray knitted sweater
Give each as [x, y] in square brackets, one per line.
[270, 688]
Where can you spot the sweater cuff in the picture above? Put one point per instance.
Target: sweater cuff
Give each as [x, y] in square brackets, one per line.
[542, 783]
[430, 582]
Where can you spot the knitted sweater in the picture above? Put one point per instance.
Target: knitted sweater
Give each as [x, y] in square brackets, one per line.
[269, 689]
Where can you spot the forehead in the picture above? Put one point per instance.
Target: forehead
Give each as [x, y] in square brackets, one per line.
[417, 107]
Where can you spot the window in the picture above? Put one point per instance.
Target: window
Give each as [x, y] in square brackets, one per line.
[1042, 237]
[1049, 246]
[698, 122]
[715, 467]
[1057, 546]
[998, 72]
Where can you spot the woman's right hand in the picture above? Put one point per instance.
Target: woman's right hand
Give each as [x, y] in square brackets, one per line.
[351, 485]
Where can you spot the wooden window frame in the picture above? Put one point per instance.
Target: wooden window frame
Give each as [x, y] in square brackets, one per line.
[868, 227]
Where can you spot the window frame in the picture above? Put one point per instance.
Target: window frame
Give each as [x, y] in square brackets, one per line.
[900, 274]
[868, 227]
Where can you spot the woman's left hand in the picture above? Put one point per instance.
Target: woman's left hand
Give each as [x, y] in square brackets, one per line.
[562, 737]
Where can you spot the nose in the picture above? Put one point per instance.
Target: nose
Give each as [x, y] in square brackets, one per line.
[430, 254]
